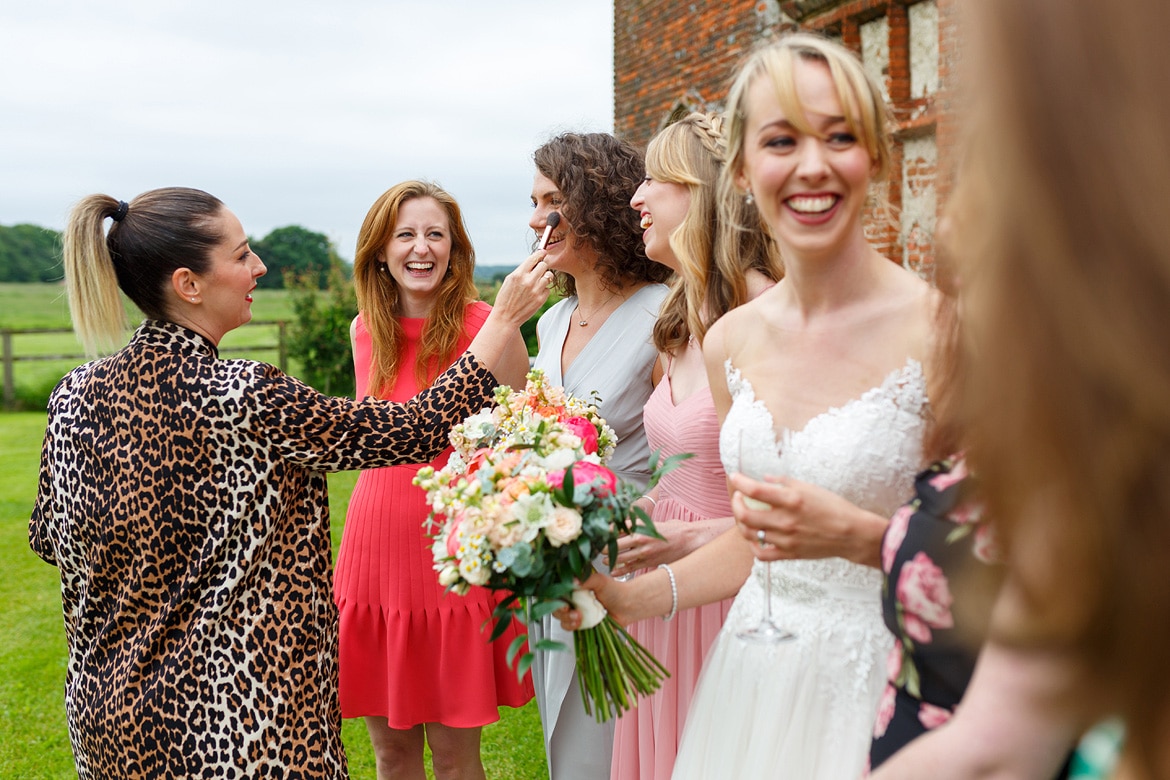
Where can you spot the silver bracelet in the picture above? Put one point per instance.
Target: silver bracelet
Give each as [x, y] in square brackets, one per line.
[673, 593]
[653, 502]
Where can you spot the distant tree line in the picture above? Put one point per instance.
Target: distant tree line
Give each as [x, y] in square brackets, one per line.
[30, 253]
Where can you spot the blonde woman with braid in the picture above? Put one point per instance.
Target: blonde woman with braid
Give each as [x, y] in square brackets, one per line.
[718, 267]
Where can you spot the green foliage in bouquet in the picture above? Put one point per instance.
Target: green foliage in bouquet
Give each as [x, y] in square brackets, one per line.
[526, 504]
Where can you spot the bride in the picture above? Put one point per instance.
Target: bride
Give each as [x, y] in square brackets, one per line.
[818, 383]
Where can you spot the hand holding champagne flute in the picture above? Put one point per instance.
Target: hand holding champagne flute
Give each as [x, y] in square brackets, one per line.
[767, 632]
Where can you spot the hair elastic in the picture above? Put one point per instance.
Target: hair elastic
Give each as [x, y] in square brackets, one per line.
[120, 214]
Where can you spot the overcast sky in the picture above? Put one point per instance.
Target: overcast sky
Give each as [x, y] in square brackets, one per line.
[297, 112]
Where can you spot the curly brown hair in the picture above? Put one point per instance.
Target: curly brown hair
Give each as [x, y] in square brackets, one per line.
[597, 174]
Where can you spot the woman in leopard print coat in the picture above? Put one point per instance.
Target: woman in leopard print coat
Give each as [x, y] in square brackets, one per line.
[183, 499]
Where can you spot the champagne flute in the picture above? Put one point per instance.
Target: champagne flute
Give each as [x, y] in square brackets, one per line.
[767, 632]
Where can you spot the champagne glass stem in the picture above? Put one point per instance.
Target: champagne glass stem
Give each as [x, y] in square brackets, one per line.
[767, 632]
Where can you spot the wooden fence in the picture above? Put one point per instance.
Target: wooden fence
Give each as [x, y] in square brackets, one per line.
[10, 358]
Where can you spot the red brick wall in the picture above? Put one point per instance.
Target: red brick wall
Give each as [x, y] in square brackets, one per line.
[667, 53]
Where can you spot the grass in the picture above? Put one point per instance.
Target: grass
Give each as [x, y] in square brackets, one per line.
[32, 641]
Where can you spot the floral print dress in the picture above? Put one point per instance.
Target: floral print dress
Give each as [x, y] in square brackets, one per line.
[931, 544]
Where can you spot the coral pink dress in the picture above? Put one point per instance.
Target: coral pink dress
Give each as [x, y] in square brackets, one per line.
[647, 737]
[408, 651]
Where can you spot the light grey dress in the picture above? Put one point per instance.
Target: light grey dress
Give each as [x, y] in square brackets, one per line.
[617, 363]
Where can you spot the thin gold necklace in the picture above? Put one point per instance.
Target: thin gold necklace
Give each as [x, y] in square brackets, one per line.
[584, 321]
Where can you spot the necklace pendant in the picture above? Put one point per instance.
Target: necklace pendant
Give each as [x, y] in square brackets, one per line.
[582, 323]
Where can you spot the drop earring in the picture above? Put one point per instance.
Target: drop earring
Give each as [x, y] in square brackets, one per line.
[748, 199]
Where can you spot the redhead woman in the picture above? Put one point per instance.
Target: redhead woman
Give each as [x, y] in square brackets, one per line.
[415, 661]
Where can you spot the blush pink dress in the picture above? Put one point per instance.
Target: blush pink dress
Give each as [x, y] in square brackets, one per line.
[647, 737]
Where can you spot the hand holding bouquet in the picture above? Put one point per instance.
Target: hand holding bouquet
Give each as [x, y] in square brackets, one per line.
[523, 505]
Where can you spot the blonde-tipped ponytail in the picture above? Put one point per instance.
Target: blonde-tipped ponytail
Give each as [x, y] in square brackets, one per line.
[95, 302]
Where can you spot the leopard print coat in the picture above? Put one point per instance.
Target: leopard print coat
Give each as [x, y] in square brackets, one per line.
[183, 500]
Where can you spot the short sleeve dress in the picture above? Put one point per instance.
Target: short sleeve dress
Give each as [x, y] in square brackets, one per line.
[410, 652]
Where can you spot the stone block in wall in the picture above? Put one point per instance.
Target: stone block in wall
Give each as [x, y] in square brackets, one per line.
[924, 49]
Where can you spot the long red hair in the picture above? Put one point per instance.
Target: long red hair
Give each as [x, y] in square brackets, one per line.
[378, 294]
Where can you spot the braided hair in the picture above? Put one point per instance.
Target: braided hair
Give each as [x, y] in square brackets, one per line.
[714, 254]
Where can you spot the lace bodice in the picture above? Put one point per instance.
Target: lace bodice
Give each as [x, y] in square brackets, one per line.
[829, 677]
[866, 451]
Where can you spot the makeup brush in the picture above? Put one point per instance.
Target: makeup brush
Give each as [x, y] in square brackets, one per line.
[554, 219]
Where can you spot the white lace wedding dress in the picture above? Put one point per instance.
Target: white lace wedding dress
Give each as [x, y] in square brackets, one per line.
[804, 709]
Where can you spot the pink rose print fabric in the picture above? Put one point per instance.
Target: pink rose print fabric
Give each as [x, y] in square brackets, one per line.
[929, 544]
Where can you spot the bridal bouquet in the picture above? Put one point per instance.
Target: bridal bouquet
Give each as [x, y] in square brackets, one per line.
[523, 505]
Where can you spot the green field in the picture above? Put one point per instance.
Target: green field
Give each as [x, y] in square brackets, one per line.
[36, 306]
[32, 642]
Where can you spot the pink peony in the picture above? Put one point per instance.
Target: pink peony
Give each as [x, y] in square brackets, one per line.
[923, 592]
[585, 430]
[931, 716]
[941, 482]
[555, 479]
[894, 662]
[915, 628]
[986, 549]
[968, 513]
[585, 472]
[895, 534]
[885, 712]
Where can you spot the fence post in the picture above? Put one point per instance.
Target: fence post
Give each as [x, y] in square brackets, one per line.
[283, 354]
[9, 382]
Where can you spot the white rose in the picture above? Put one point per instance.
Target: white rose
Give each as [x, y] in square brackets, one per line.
[564, 526]
[592, 611]
[559, 460]
[480, 425]
[448, 576]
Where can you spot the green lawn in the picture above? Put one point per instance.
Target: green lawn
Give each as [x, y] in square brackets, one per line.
[35, 743]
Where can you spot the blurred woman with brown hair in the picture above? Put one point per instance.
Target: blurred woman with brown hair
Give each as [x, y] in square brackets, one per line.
[415, 661]
[1066, 290]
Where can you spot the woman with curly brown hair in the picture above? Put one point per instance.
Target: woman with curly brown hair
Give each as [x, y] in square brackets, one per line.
[597, 340]
[414, 660]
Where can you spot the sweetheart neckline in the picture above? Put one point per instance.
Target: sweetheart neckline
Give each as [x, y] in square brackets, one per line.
[787, 434]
